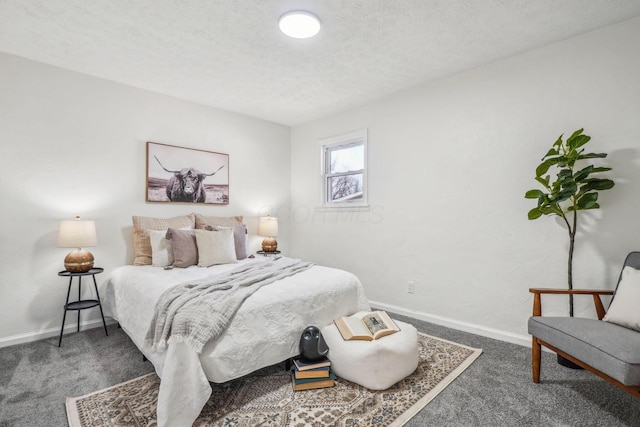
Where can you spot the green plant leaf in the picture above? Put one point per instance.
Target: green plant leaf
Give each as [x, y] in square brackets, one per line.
[558, 142]
[533, 194]
[592, 206]
[551, 152]
[544, 166]
[561, 197]
[577, 141]
[544, 181]
[552, 209]
[582, 140]
[534, 213]
[582, 174]
[606, 184]
[596, 170]
[587, 201]
[589, 185]
[595, 184]
[576, 133]
[603, 184]
[564, 173]
[592, 156]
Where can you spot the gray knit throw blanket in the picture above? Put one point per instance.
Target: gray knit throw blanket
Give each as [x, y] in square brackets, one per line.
[197, 311]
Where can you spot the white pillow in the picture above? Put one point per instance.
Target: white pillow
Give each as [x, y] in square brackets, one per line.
[624, 309]
[161, 249]
[240, 238]
[215, 247]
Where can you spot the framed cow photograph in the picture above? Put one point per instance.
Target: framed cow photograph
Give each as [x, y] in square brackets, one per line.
[186, 175]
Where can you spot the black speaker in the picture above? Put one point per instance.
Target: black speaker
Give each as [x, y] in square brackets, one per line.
[312, 345]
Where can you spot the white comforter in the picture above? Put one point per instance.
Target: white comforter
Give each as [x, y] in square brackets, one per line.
[265, 330]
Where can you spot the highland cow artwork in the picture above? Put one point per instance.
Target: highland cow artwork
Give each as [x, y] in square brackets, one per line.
[186, 175]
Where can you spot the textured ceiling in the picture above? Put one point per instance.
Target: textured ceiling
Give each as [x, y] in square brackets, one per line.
[231, 55]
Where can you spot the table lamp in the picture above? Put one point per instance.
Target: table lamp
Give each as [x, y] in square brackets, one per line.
[268, 227]
[77, 234]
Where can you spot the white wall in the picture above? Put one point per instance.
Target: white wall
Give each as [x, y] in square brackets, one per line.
[75, 145]
[449, 164]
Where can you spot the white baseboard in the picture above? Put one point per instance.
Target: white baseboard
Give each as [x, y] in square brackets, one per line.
[52, 332]
[523, 340]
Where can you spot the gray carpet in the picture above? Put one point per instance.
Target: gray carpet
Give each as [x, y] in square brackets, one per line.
[496, 390]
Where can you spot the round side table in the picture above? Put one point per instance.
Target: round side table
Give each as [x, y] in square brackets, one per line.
[81, 304]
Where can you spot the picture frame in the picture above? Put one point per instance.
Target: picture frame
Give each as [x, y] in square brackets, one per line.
[186, 175]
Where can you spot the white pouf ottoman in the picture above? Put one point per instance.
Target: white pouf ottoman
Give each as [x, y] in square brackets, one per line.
[377, 364]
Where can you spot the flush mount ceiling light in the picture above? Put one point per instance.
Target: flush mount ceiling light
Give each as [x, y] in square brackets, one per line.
[299, 24]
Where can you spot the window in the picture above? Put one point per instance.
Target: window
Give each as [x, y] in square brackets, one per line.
[344, 170]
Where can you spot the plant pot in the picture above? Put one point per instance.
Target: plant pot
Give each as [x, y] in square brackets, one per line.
[567, 363]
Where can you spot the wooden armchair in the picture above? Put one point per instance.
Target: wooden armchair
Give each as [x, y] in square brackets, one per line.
[610, 351]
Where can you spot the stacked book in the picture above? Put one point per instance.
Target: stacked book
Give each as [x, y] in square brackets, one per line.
[308, 376]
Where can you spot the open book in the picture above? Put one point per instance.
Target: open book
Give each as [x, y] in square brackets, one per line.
[367, 326]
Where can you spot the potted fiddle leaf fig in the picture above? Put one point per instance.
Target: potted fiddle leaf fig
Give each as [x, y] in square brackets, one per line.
[574, 188]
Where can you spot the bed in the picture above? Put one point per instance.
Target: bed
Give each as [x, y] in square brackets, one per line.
[265, 330]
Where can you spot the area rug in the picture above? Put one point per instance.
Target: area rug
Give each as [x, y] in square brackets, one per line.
[266, 397]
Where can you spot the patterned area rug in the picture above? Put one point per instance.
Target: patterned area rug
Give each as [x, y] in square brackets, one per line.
[266, 397]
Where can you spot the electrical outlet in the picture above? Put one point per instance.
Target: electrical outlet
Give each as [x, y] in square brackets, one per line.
[412, 286]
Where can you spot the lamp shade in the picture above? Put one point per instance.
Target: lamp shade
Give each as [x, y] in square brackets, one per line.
[268, 226]
[77, 234]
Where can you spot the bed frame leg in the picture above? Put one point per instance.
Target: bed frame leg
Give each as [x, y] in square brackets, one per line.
[287, 364]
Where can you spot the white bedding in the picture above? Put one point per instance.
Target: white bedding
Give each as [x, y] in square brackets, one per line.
[265, 330]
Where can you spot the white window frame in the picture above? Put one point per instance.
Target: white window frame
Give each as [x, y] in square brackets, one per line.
[352, 138]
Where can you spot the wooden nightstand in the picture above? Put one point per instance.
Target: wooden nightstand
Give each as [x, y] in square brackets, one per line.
[81, 304]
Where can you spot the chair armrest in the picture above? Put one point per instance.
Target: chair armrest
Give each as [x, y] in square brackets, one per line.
[537, 302]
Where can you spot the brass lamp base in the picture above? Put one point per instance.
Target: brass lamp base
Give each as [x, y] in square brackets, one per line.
[269, 244]
[78, 261]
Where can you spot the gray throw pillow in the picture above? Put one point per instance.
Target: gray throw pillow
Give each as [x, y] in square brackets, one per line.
[185, 249]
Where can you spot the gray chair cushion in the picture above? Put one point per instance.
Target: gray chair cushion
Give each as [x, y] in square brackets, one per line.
[607, 347]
